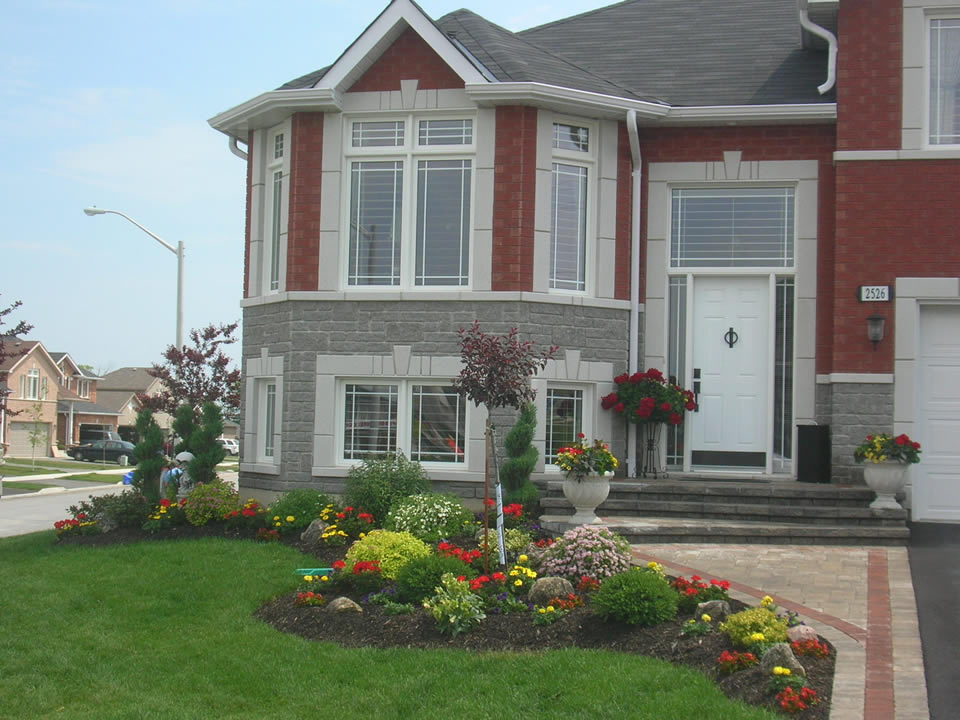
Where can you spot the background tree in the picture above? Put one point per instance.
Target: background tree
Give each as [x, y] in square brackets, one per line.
[39, 432]
[149, 456]
[7, 351]
[521, 460]
[196, 375]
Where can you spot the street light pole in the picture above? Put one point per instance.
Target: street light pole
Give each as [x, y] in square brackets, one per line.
[178, 251]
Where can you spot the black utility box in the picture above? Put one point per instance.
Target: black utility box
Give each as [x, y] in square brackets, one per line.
[813, 453]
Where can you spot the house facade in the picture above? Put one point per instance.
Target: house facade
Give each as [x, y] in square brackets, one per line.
[80, 414]
[118, 390]
[29, 423]
[733, 193]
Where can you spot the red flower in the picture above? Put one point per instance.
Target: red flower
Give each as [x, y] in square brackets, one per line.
[665, 406]
[164, 503]
[619, 379]
[499, 577]
[619, 408]
[339, 565]
[83, 516]
[488, 502]
[916, 446]
[676, 418]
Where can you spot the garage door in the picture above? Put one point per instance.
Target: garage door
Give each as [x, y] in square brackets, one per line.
[19, 439]
[936, 479]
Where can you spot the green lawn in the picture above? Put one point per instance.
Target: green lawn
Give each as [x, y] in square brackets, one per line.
[164, 630]
[24, 466]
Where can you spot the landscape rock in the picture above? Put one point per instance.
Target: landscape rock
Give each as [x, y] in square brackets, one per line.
[311, 536]
[780, 655]
[344, 605]
[546, 589]
[716, 609]
[801, 633]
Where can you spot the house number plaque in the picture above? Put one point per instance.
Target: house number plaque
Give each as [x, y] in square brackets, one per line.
[874, 293]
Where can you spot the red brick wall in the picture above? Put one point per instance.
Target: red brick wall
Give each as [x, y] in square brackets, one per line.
[303, 230]
[869, 74]
[247, 228]
[786, 142]
[410, 57]
[624, 215]
[514, 197]
[894, 219]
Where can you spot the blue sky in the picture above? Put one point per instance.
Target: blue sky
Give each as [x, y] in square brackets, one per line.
[106, 102]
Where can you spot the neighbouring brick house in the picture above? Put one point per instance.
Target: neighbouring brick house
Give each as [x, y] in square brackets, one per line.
[80, 413]
[728, 191]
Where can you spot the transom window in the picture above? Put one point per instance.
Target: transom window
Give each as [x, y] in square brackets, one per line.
[410, 203]
[564, 420]
[425, 421]
[569, 207]
[944, 81]
[732, 227]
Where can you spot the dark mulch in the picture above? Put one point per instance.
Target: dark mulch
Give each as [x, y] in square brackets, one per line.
[510, 632]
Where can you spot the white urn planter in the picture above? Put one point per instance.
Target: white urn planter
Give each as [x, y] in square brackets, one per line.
[886, 479]
[586, 496]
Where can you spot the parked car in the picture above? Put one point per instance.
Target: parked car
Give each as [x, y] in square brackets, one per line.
[118, 451]
[230, 445]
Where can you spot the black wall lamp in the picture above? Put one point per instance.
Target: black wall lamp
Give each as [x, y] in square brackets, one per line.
[875, 328]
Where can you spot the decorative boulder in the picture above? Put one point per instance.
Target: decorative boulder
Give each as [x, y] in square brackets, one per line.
[344, 605]
[546, 589]
[801, 633]
[780, 655]
[716, 609]
[311, 536]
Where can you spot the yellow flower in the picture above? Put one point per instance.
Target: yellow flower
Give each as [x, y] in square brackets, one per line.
[514, 573]
[279, 524]
[550, 608]
[324, 578]
[653, 565]
[705, 618]
[767, 601]
[276, 517]
[308, 578]
[522, 558]
[542, 610]
[290, 518]
[758, 637]
[518, 583]
[362, 535]
[781, 670]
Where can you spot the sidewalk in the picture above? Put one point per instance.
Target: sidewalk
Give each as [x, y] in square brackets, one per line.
[861, 599]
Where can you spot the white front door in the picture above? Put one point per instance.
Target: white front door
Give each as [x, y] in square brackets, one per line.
[936, 479]
[731, 356]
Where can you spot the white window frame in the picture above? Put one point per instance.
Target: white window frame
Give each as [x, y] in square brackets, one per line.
[83, 388]
[587, 416]
[268, 402]
[932, 16]
[32, 385]
[404, 428]
[262, 454]
[409, 154]
[276, 183]
[582, 159]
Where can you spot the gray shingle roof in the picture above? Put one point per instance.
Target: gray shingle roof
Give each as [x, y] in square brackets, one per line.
[683, 52]
[135, 379]
[85, 407]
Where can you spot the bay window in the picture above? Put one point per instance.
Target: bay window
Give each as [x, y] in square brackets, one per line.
[410, 200]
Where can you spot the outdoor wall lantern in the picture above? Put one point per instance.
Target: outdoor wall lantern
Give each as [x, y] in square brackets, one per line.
[875, 325]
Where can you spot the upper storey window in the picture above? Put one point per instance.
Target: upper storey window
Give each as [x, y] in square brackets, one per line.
[945, 81]
[410, 192]
[569, 208]
[274, 191]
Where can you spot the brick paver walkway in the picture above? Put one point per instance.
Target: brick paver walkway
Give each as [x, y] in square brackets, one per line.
[860, 599]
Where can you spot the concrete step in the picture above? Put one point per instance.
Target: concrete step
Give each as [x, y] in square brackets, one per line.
[660, 530]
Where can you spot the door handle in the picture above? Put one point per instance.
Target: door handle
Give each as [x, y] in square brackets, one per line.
[696, 389]
[730, 337]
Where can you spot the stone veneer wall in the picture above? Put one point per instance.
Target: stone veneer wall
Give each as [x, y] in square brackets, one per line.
[299, 330]
[853, 411]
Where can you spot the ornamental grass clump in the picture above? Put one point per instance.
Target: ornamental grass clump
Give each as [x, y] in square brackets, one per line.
[209, 502]
[454, 606]
[636, 598]
[430, 516]
[755, 628]
[586, 550]
[391, 550]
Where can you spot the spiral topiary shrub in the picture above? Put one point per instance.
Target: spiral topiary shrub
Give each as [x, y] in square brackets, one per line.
[636, 597]
[430, 516]
[753, 627]
[392, 550]
[586, 550]
[421, 576]
[210, 501]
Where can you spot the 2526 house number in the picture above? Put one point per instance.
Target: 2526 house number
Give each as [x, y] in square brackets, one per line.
[874, 293]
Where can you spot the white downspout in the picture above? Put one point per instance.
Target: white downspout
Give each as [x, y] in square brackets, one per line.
[633, 355]
[235, 149]
[807, 24]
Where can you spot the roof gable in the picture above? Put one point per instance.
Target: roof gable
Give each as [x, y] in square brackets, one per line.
[409, 57]
[33, 349]
[381, 34]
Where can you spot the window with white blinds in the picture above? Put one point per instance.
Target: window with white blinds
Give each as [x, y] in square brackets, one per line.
[944, 81]
[411, 187]
[568, 232]
[732, 227]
